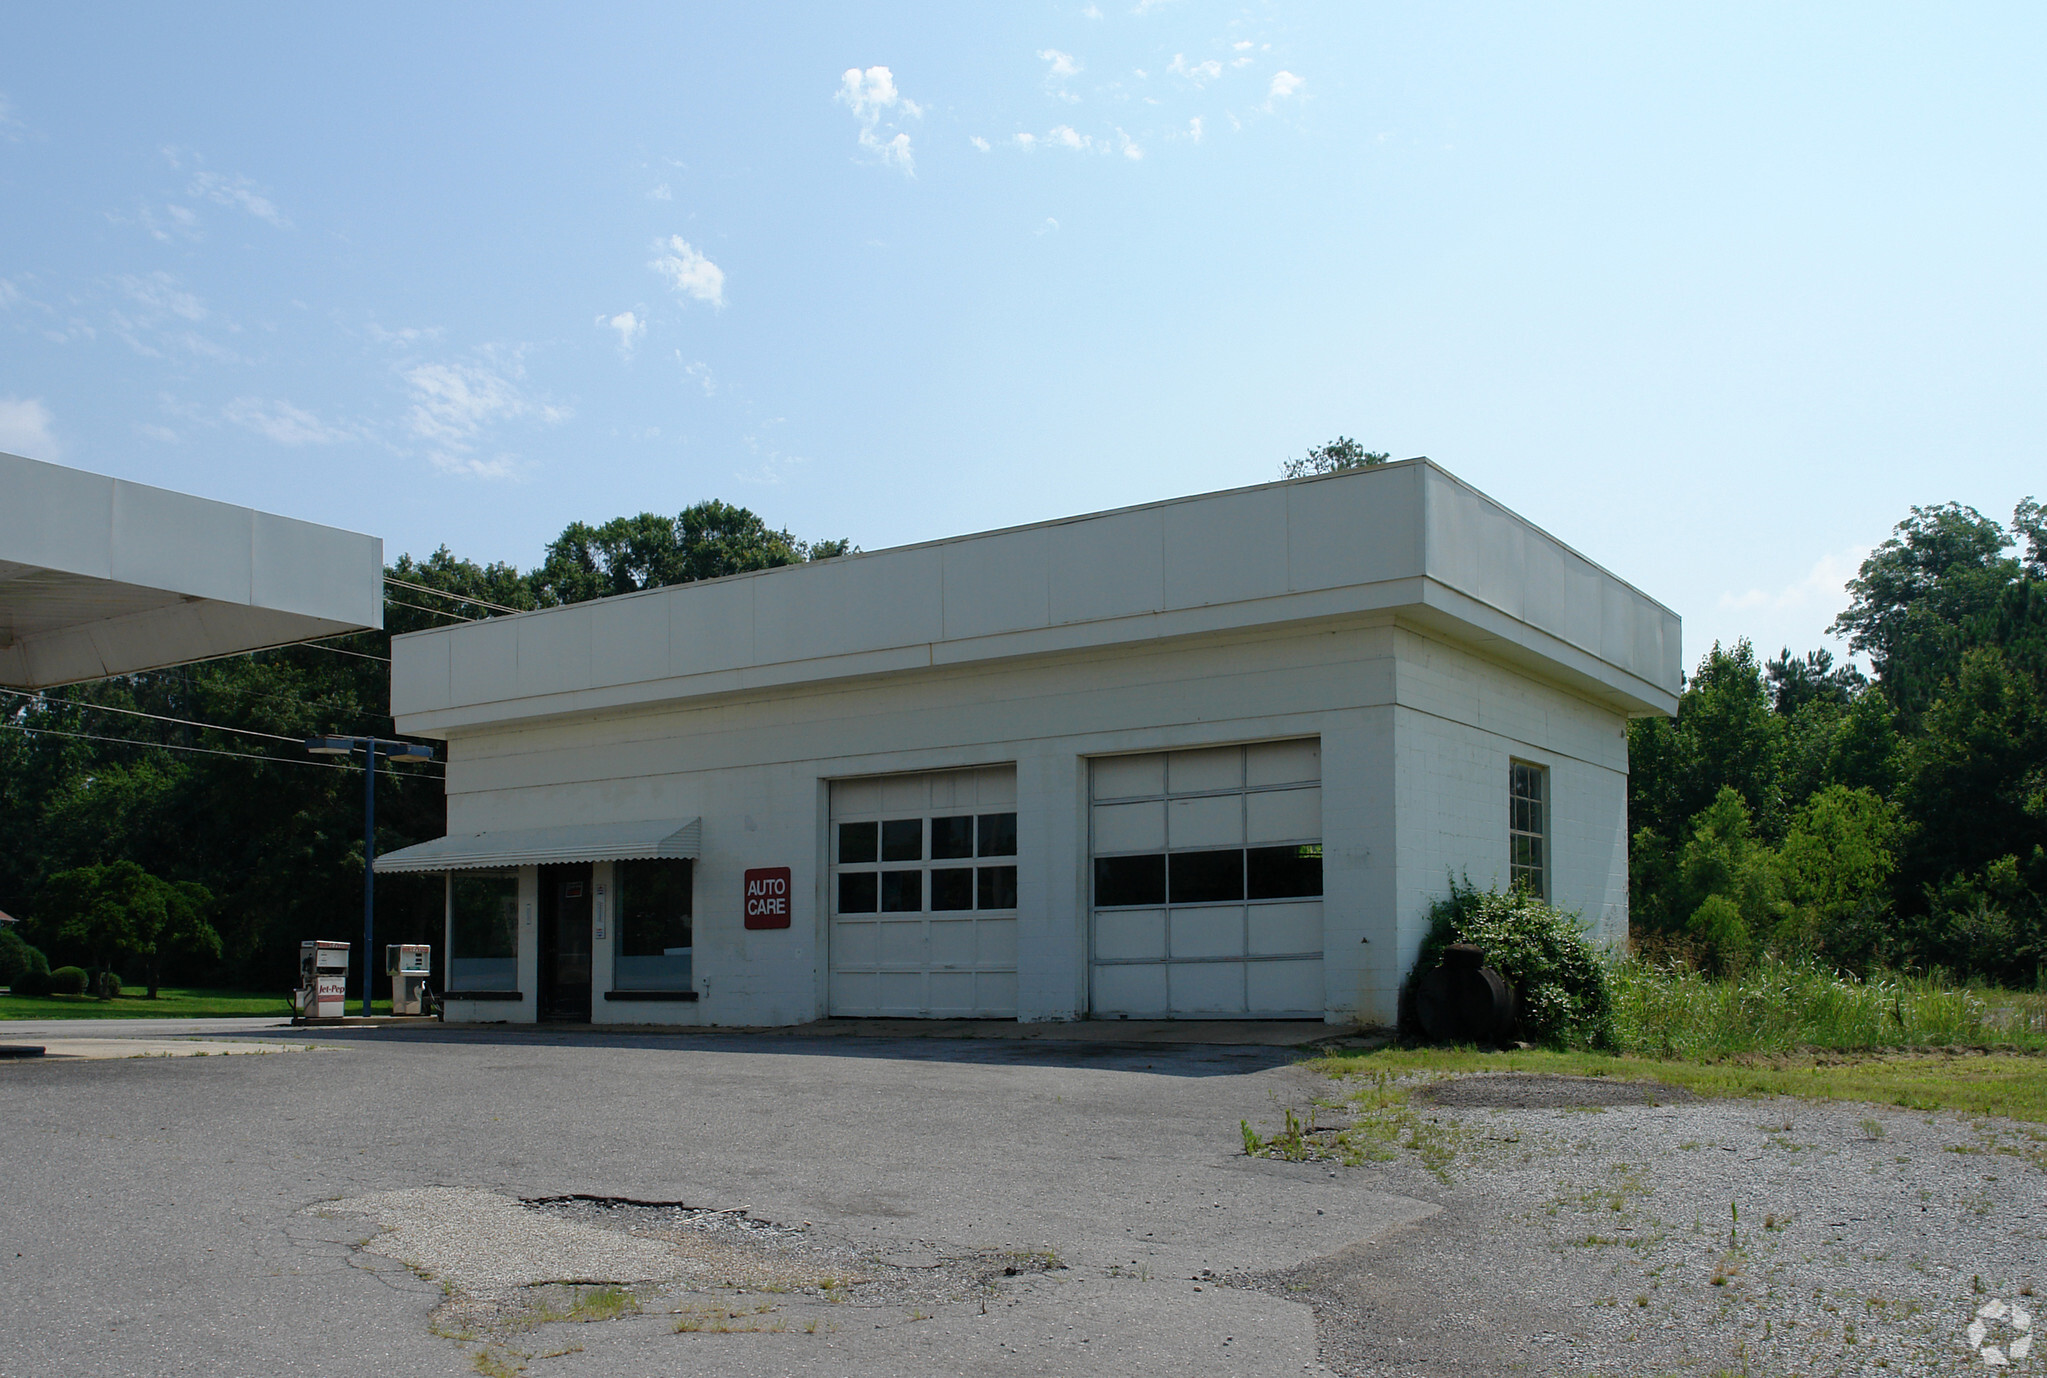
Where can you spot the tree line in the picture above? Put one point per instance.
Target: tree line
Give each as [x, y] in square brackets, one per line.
[1799, 807]
[169, 825]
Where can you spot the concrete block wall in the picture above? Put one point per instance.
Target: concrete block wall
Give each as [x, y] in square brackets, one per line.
[1415, 734]
[1460, 721]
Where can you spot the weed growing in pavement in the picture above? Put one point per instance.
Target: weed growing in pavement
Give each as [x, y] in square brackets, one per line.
[603, 1304]
[728, 1320]
[491, 1365]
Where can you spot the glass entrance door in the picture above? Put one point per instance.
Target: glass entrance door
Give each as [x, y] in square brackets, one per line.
[565, 943]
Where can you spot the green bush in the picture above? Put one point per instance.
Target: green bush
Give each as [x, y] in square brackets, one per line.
[1562, 993]
[22, 967]
[68, 981]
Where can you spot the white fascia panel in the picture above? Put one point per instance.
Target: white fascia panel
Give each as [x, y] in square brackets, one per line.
[1229, 550]
[56, 518]
[1341, 536]
[999, 583]
[169, 540]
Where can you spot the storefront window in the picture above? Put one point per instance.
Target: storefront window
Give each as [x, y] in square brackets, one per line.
[483, 931]
[655, 927]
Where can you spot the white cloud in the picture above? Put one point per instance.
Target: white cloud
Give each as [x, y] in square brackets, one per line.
[868, 94]
[1795, 615]
[236, 191]
[1026, 142]
[1825, 585]
[25, 428]
[160, 292]
[11, 129]
[1063, 64]
[1091, 12]
[629, 327]
[1050, 226]
[1243, 45]
[661, 193]
[688, 272]
[1194, 129]
[700, 373]
[163, 435]
[1284, 84]
[1198, 72]
[874, 100]
[1065, 137]
[978, 142]
[454, 404]
[9, 293]
[281, 422]
[1129, 146]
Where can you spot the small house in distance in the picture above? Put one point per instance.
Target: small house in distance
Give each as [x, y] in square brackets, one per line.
[1212, 757]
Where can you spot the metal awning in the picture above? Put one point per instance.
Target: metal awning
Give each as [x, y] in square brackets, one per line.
[659, 839]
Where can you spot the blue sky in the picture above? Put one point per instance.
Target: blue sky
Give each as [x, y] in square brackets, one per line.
[1713, 292]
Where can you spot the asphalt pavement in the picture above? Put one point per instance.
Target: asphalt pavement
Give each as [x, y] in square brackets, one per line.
[195, 1215]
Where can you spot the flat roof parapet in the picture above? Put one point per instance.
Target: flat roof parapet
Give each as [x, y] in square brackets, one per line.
[1406, 539]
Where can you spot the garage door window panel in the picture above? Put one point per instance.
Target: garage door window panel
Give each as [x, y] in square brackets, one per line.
[1216, 875]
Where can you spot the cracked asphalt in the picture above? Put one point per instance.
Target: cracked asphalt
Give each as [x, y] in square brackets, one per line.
[176, 1216]
[355, 1208]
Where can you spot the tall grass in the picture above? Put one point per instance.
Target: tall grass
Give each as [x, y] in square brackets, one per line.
[1673, 1011]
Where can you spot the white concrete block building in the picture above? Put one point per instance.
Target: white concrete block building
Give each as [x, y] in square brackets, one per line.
[1207, 758]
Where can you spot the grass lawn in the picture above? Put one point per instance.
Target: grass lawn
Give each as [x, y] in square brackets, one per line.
[2011, 1084]
[170, 1003]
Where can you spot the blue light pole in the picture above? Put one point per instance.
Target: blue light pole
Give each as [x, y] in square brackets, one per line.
[369, 746]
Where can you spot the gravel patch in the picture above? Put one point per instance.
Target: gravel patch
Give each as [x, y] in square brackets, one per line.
[1779, 1235]
[1542, 1091]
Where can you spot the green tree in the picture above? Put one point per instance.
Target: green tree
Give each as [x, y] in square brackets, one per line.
[706, 541]
[1726, 884]
[120, 910]
[1339, 454]
[1726, 736]
[1836, 862]
[1919, 601]
[1976, 786]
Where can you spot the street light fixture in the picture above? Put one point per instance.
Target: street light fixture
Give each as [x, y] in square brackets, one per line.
[370, 747]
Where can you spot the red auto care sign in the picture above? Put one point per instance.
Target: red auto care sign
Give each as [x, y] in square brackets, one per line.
[767, 897]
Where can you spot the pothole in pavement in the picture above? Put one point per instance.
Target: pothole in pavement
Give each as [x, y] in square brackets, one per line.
[508, 1266]
[1545, 1091]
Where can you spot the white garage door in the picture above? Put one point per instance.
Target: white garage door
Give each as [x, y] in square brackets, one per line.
[924, 895]
[1208, 882]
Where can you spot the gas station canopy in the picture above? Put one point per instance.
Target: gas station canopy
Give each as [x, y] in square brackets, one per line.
[99, 577]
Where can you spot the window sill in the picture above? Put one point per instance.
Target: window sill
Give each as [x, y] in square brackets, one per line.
[483, 995]
[650, 995]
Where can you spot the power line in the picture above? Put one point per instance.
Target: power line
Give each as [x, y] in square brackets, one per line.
[158, 717]
[312, 646]
[200, 687]
[431, 612]
[167, 746]
[458, 597]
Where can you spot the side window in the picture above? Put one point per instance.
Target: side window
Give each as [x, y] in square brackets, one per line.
[1528, 827]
